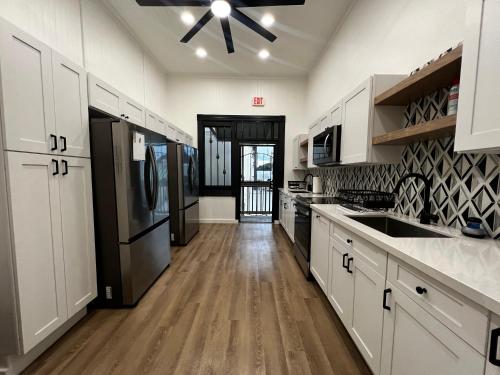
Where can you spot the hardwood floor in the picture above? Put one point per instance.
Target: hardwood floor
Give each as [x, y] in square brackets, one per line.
[232, 302]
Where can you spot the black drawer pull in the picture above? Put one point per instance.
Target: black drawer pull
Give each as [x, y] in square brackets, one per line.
[349, 261]
[421, 290]
[56, 164]
[63, 140]
[495, 334]
[344, 258]
[54, 144]
[65, 167]
[384, 302]
[349, 241]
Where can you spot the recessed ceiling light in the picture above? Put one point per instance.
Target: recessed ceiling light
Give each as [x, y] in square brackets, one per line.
[187, 18]
[221, 8]
[264, 54]
[201, 53]
[267, 20]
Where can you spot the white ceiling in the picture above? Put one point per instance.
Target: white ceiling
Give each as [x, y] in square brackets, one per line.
[302, 31]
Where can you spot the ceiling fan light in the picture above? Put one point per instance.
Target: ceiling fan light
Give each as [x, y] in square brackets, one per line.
[187, 18]
[264, 54]
[221, 8]
[267, 20]
[201, 53]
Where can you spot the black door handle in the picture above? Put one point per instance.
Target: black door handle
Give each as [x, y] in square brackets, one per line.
[384, 303]
[54, 144]
[56, 163]
[495, 334]
[344, 258]
[349, 261]
[63, 141]
[65, 167]
[420, 290]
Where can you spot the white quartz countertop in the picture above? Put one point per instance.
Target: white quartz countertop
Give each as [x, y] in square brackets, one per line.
[469, 266]
[293, 195]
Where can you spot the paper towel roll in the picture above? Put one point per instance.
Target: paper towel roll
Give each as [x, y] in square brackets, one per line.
[317, 186]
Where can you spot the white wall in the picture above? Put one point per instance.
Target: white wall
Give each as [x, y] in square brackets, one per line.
[189, 96]
[383, 36]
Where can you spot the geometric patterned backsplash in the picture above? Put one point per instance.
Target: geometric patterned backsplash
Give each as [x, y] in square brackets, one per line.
[463, 185]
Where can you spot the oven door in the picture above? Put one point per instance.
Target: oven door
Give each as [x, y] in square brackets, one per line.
[302, 235]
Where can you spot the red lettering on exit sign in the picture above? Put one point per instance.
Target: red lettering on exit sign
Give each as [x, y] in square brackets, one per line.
[258, 101]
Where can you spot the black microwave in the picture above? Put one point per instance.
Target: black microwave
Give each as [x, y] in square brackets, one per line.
[326, 146]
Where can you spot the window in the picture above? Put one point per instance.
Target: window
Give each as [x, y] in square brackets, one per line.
[216, 158]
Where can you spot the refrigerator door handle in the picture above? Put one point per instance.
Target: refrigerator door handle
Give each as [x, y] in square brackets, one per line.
[155, 178]
[147, 178]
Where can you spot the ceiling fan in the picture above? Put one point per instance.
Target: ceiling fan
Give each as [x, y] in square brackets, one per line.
[222, 9]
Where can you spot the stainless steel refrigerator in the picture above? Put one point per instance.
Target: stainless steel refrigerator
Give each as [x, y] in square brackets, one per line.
[131, 209]
[184, 192]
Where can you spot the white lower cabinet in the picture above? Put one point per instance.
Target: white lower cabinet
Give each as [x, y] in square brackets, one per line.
[287, 214]
[367, 314]
[416, 343]
[340, 285]
[493, 356]
[320, 235]
[52, 227]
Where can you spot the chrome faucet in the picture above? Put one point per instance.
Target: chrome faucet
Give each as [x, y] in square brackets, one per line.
[425, 216]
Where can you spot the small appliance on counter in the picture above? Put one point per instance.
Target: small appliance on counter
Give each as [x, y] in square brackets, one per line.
[474, 228]
[317, 186]
[297, 186]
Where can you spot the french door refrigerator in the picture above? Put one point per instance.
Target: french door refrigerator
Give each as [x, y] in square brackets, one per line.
[131, 209]
[184, 192]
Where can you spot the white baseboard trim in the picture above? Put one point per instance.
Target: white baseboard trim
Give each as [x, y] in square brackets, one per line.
[218, 221]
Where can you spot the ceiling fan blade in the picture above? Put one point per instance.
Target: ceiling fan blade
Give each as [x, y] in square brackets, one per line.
[176, 3]
[227, 34]
[202, 22]
[247, 21]
[265, 3]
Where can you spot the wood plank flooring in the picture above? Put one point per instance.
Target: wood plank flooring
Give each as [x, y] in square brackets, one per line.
[233, 301]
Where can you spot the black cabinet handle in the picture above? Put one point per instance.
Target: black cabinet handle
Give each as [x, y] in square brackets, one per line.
[65, 167]
[122, 115]
[384, 303]
[495, 334]
[318, 216]
[349, 241]
[63, 141]
[54, 144]
[56, 163]
[349, 261]
[420, 290]
[126, 117]
[344, 258]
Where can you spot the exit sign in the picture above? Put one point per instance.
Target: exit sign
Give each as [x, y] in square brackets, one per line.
[258, 101]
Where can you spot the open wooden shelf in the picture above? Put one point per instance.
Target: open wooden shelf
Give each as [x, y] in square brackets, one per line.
[433, 77]
[439, 128]
[304, 142]
[303, 160]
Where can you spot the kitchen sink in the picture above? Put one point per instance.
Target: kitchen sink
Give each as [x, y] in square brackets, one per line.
[396, 228]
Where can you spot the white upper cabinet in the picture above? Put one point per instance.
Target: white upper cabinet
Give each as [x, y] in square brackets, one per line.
[179, 136]
[356, 116]
[336, 115]
[154, 123]
[78, 232]
[71, 107]
[416, 343]
[478, 120]
[37, 240]
[320, 229]
[314, 130]
[170, 132]
[324, 122]
[132, 111]
[493, 356]
[27, 92]
[103, 97]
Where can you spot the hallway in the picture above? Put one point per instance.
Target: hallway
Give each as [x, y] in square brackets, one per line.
[233, 301]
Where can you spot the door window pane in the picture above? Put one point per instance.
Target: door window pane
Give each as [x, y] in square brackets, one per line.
[217, 155]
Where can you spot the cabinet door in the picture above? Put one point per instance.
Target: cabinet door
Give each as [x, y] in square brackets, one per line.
[71, 107]
[313, 131]
[78, 233]
[104, 97]
[340, 288]
[153, 123]
[179, 136]
[336, 115]
[320, 236]
[416, 343]
[493, 356]
[367, 313]
[324, 122]
[478, 123]
[355, 124]
[27, 92]
[37, 237]
[291, 226]
[132, 111]
[162, 126]
[171, 130]
[295, 153]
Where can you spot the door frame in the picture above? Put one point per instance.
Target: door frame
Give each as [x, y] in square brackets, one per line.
[279, 156]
